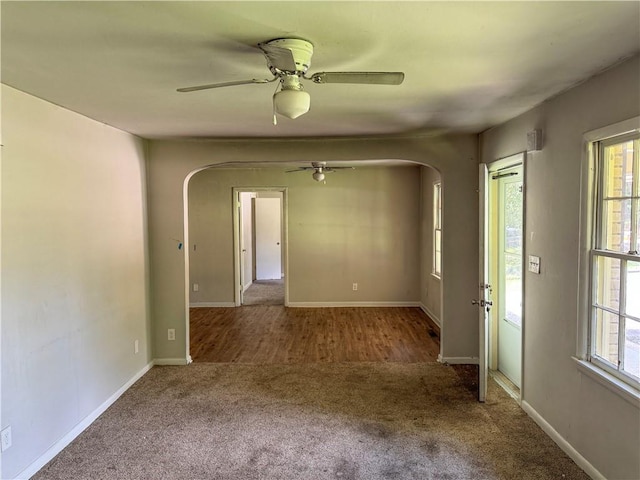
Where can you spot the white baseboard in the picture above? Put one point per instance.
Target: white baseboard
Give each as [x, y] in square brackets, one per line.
[352, 304]
[566, 447]
[172, 361]
[431, 315]
[247, 285]
[211, 304]
[80, 427]
[458, 360]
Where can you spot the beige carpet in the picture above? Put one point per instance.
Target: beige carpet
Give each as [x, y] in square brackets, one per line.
[311, 421]
[264, 292]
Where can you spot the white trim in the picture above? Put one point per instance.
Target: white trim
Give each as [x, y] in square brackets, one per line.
[352, 304]
[458, 360]
[61, 444]
[566, 447]
[211, 304]
[172, 361]
[505, 163]
[436, 226]
[626, 126]
[431, 315]
[612, 383]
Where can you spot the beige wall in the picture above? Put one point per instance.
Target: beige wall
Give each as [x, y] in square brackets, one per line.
[171, 162]
[430, 290]
[74, 271]
[362, 226]
[601, 426]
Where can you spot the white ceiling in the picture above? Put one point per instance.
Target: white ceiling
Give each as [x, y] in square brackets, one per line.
[468, 65]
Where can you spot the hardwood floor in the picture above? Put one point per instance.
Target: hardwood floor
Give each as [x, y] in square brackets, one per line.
[276, 334]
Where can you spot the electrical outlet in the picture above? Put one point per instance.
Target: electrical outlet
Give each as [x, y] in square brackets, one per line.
[136, 346]
[171, 334]
[5, 435]
[196, 287]
[355, 287]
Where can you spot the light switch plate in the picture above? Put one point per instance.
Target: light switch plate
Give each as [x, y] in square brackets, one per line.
[534, 264]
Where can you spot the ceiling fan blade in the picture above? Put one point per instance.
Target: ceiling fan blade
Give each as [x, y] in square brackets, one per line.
[279, 57]
[338, 168]
[368, 78]
[225, 84]
[301, 169]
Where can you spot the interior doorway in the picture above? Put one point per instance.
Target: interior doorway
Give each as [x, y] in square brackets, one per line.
[260, 246]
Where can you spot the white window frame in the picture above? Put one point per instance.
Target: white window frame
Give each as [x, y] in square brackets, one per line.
[599, 251]
[619, 382]
[436, 270]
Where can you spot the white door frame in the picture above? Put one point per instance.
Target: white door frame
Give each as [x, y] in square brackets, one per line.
[237, 254]
[486, 322]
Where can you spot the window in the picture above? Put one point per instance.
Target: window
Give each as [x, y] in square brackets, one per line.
[437, 229]
[614, 334]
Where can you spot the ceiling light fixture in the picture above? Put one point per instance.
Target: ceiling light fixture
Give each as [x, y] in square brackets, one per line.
[320, 169]
[292, 101]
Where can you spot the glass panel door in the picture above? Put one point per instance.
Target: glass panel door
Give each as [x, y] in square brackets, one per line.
[510, 204]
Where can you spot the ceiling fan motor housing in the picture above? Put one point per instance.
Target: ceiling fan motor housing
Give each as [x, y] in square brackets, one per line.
[301, 50]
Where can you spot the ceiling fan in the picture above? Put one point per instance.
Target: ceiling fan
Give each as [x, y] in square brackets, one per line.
[319, 169]
[288, 60]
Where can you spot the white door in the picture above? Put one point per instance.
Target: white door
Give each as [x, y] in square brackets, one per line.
[483, 301]
[246, 239]
[509, 272]
[268, 231]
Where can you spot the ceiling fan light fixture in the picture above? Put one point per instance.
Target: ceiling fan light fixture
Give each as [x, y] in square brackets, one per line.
[292, 103]
[318, 176]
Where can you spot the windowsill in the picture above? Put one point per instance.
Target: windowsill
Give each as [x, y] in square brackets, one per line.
[436, 276]
[610, 382]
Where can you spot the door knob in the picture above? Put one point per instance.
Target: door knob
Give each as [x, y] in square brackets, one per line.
[481, 303]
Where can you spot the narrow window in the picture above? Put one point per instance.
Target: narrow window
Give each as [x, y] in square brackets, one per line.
[614, 335]
[437, 229]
